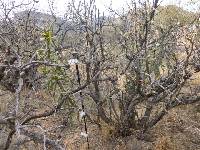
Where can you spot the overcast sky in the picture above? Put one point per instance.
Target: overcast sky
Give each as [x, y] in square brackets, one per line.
[60, 5]
[101, 4]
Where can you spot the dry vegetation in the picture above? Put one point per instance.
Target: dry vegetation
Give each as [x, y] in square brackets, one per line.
[126, 81]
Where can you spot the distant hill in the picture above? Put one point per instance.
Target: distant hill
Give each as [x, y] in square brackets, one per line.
[39, 18]
[172, 14]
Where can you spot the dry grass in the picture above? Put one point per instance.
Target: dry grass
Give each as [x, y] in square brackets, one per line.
[163, 143]
[179, 129]
[6, 99]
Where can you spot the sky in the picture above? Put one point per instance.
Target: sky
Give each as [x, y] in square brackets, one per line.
[60, 5]
[116, 4]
